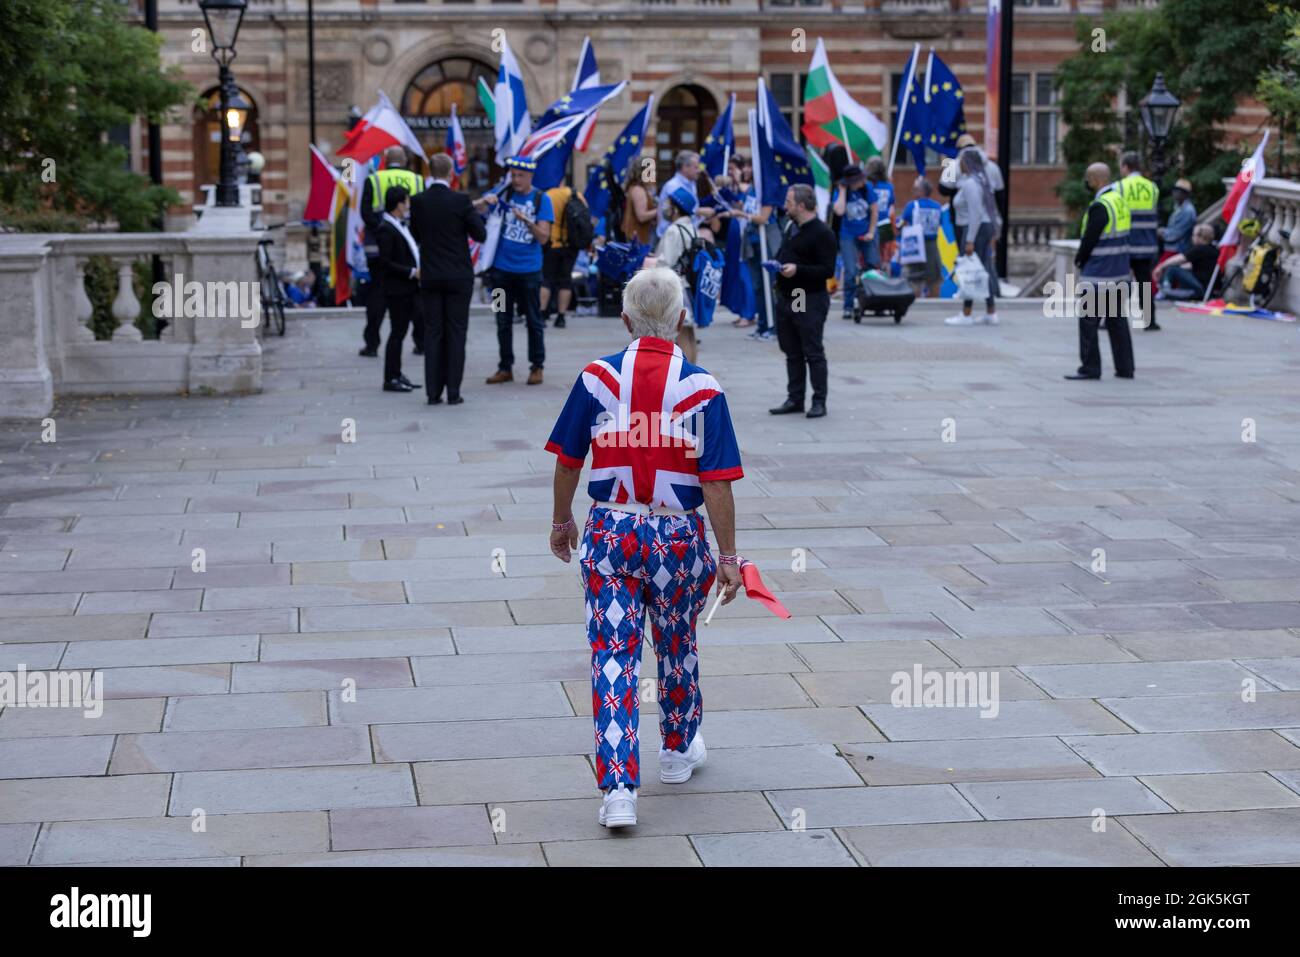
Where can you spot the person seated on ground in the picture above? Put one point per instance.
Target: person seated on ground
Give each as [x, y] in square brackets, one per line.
[298, 289]
[1187, 275]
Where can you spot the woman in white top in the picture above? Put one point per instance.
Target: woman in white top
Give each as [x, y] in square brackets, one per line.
[673, 245]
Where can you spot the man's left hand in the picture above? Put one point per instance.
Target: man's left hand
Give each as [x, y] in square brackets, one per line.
[787, 270]
[563, 541]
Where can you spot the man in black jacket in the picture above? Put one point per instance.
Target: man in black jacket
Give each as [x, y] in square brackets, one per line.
[399, 265]
[373, 192]
[443, 221]
[806, 260]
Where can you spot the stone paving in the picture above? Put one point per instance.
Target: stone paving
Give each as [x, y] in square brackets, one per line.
[1148, 709]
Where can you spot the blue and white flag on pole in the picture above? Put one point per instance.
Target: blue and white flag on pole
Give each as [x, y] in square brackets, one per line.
[558, 131]
[586, 76]
[513, 124]
[721, 141]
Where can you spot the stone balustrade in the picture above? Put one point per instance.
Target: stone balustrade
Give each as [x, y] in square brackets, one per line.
[47, 346]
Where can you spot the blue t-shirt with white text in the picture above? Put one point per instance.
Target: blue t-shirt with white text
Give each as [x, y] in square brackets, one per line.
[519, 250]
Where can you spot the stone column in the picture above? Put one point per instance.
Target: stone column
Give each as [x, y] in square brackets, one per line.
[26, 386]
[226, 357]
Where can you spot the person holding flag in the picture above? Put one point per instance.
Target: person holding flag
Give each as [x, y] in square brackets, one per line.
[662, 445]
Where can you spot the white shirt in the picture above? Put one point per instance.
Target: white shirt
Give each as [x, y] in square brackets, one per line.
[406, 234]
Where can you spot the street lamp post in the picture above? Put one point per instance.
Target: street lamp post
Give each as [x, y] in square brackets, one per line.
[223, 18]
[1158, 109]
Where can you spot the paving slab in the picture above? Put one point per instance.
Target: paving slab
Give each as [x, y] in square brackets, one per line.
[1186, 752]
[1018, 800]
[1221, 838]
[290, 789]
[174, 840]
[945, 762]
[812, 848]
[1221, 792]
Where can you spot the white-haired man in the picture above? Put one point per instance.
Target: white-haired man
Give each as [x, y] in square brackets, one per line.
[662, 445]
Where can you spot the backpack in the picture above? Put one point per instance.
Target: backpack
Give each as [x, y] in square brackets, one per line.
[578, 228]
[686, 265]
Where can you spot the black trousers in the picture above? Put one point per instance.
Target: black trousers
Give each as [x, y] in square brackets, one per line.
[402, 312]
[1142, 275]
[522, 291]
[1111, 308]
[799, 333]
[445, 305]
[375, 306]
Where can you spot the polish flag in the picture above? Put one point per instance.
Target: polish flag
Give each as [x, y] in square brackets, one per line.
[379, 129]
[1239, 200]
[324, 181]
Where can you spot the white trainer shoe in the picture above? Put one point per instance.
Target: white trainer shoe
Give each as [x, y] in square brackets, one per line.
[991, 319]
[619, 808]
[676, 767]
[961, 319]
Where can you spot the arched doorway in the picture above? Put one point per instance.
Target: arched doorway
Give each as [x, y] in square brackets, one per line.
[426, 106]
[685, 115]
[206, 131]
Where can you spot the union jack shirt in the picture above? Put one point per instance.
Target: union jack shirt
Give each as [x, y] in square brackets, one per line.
[656, 426]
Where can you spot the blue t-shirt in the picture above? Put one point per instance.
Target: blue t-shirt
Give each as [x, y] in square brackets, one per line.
[751, 205]
[925, 213]
[884, 193]
[518, 250]
[857, 211]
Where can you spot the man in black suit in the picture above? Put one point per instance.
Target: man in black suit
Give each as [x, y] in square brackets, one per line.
[399, 264]
[803, 264]
[443, 221]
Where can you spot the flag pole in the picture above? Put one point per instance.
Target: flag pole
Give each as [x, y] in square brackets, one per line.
[758, 190]
[902, 109]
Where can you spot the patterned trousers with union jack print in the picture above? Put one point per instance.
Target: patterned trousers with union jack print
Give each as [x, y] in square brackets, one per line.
[659, 564]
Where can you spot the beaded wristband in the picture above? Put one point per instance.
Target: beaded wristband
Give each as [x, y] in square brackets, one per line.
[728, 559]
[561, 526]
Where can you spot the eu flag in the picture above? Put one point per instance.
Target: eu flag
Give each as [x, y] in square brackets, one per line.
[614, 163]
[781, 160]
[721, 141]
[946, 107]
[914, 110]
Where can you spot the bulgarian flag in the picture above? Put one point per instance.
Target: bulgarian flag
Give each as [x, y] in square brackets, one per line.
[821, 181]
[832, 116]
[487, 100]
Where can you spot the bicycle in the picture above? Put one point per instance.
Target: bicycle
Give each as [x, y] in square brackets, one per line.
[269, 286]
[1259, 275]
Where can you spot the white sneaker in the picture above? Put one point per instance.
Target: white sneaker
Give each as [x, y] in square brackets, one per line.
[619, 808]
[991, 319]
[961, 319]
[676, 767]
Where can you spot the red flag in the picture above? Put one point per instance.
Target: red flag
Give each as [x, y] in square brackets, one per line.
[379, 129]
[320, 198]
[756, 590]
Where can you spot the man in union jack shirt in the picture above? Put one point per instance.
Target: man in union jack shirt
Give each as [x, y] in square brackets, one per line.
[662, 445]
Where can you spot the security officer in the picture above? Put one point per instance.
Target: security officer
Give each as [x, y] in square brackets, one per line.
[1103, 263]
[1142, 197]
[394, 173]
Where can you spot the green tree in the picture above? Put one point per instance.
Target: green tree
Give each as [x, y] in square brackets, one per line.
[70, 71]
[1279, 90]
[1211, 54]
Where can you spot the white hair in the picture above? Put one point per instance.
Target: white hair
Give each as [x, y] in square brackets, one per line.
[652, 302]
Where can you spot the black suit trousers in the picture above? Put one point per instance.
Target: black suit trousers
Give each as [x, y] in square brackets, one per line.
[799, 333]
[402, 312]
[375, 305]
[445, 305]
[1108, 304]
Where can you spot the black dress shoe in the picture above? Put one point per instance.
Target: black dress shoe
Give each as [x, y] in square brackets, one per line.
[559, 322]
[817, 410]
[397, 385]
[1078, 376]
[1154, 327]
[368, 352]
[455, 400]
[1123, 375]
[786, 407]
[435, 400]
[405, 381]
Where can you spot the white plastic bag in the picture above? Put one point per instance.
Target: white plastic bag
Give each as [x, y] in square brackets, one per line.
[972, 278]
[911, 245]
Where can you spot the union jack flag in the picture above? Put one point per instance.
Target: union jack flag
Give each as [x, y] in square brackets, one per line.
[656, 426]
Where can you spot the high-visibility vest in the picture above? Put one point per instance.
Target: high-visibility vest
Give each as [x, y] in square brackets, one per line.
[1109, 259]
[1141, 196]
[381, 181]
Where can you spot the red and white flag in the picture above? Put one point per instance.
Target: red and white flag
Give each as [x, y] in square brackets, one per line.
[1238, 201]
[324, 180]
[380, 128]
